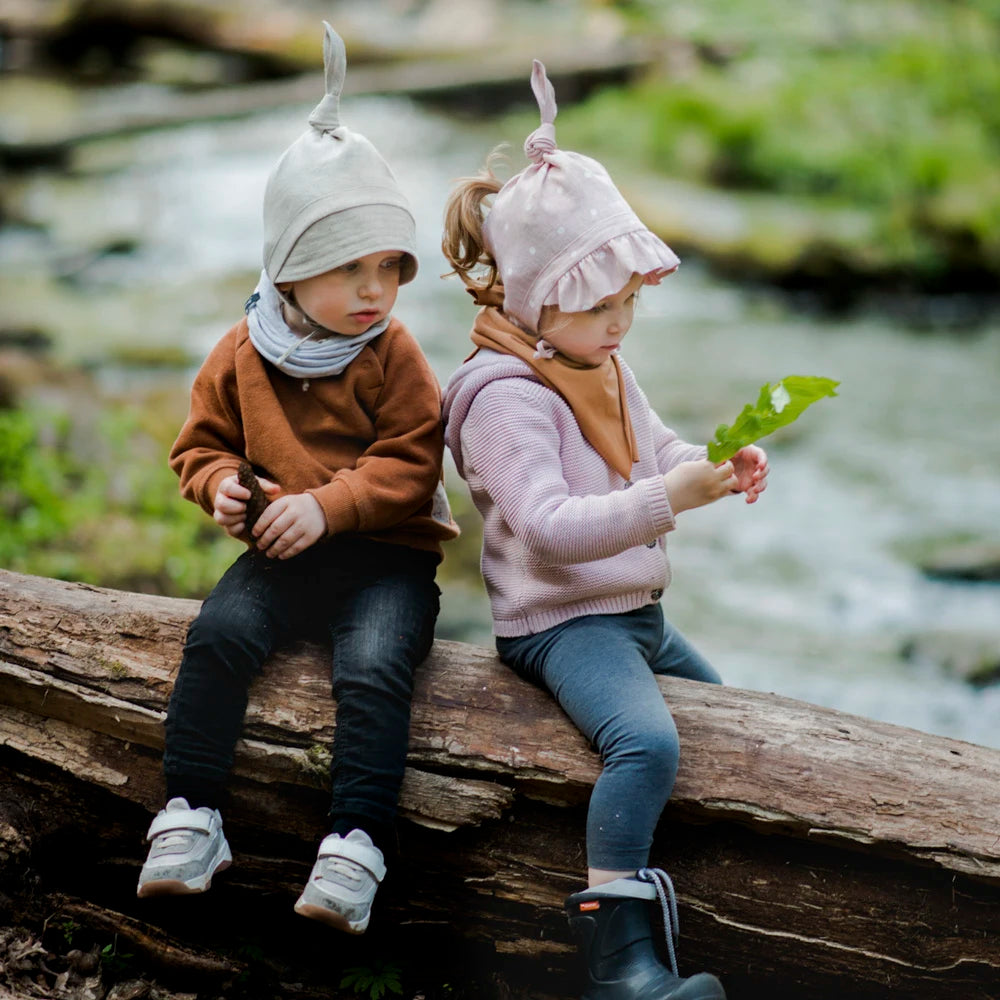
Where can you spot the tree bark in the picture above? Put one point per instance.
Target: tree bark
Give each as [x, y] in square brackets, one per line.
[815, 853]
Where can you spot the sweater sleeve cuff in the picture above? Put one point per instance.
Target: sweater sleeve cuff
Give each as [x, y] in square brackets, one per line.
[339, 507]
[204, 488]
[660, 511]
[212, 485]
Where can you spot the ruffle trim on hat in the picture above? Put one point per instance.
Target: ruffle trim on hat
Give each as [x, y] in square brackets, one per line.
[606, 270]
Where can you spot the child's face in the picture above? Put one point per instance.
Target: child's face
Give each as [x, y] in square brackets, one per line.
[352, 297]
[590, 337]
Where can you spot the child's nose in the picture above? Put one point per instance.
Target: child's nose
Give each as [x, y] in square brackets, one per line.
[621, 320]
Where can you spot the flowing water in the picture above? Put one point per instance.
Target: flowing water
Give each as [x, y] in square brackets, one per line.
[813, 592]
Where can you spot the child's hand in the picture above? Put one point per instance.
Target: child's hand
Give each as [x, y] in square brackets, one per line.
[290, 525]
[694, 484]
[231, 503]
[750, 466]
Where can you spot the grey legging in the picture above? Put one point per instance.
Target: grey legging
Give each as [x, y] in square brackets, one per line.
[600, 669]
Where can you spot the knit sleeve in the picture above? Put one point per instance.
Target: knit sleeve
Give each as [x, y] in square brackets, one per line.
[558, 497]
[211, 444]
[400, 470]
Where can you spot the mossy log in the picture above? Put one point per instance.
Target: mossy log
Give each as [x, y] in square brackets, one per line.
[815, 853]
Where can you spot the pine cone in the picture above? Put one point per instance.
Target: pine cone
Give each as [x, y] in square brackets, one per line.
[258, 499]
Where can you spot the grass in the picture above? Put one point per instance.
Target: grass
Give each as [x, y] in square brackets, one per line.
[89, 497]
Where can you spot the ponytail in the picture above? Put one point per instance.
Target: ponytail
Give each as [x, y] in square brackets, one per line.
[463, 243]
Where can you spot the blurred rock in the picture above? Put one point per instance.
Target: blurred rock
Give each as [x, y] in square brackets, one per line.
[31, 341]
[975, 561]
[972, 656]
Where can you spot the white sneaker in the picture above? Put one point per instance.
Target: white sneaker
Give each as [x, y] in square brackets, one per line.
[343, 882]
[188, 848]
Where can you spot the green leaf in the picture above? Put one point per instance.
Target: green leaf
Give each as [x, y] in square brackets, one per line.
[778, 405]
[373, 981]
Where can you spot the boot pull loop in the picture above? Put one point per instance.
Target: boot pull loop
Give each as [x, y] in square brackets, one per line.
[668, 906]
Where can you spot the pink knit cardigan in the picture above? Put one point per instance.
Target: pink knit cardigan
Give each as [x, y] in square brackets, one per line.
[563, 534]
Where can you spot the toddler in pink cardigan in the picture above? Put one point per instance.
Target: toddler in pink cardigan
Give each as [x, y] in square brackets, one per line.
[578, 483]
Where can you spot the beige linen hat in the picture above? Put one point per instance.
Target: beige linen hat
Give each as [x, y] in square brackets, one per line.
[331, 198]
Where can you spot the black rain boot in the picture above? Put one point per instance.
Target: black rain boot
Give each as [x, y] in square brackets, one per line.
[613, 926]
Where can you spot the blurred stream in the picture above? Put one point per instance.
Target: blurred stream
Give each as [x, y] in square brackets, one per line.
[813, 592]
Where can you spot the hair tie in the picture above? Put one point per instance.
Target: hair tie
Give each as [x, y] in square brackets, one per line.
[326, 115]
[542, 142]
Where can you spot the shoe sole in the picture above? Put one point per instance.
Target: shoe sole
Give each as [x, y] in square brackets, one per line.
[712, 994]
[703, 986]
[178, 887]
[331, 918]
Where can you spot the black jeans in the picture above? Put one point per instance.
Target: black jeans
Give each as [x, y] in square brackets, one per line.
[379, 604]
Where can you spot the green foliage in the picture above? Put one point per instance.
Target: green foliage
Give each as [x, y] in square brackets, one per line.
[894, 107]
[89, 497]
[113, 961]
[67, 929]
[32, 478]
[777, 406]
[375, 981]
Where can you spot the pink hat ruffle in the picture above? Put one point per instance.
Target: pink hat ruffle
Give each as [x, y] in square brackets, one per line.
[606, 270]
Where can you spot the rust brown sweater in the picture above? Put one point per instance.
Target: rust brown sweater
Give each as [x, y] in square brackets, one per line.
[366, 443]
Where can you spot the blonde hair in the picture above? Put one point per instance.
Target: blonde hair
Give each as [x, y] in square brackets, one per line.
[465, 212]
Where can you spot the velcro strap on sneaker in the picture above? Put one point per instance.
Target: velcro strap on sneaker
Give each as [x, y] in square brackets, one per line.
[180, 819]
[368, 857]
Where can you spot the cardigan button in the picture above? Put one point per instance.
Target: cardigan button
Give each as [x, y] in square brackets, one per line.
[656, 594]
[650, 545]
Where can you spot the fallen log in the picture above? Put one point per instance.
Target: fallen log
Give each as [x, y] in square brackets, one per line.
[815, 853]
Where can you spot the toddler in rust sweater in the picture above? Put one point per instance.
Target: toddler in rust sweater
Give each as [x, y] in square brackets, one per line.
[330, 402]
